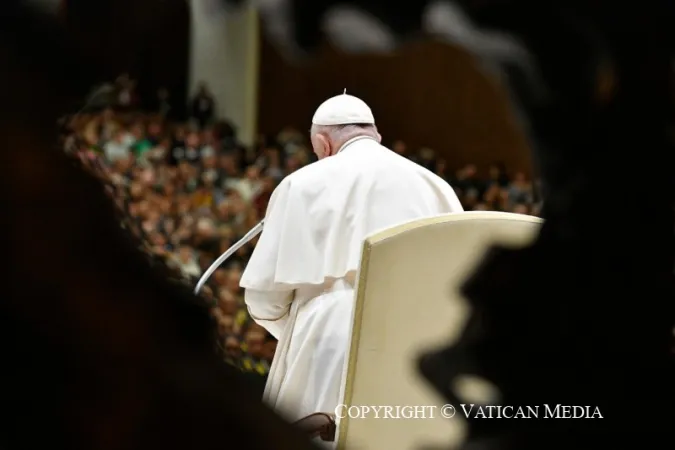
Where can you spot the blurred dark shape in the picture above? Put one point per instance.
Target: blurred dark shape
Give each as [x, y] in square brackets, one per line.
[584, 316]
[558, 323]
[225, 130]
[100, 350]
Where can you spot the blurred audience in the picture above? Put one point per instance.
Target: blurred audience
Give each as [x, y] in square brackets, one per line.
[191, 192]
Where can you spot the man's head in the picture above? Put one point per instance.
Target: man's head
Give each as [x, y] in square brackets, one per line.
[470, 171]
[192, 139]
[185, 253]
[399, 147]
[521, 208]
[155, 129]
[227, 301]
[119, 135]
[520, 178]
[232, 347]
[339, 119]
[253, 173]
[255, 341]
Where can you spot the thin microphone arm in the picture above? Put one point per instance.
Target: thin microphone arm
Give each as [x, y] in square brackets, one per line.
[256, 230]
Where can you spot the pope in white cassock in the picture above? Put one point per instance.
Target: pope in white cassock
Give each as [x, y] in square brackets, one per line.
[299, 283]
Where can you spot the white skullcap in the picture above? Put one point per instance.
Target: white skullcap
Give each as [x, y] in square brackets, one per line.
[343, 110]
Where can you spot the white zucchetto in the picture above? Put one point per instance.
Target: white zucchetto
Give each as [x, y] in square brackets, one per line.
[343, 109]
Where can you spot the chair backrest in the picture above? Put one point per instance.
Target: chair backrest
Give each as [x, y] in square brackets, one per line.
[408, 302]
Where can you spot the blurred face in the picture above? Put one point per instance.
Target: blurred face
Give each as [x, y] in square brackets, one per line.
[183, 207]
[227, 302]
[208, 136]
[133, 210]
[223, 211]
[154, 215]
[185, 254]
[255, 342]
[233, 280]
[521, 209]
[220, 276]
[225, 323]
[138, 132]
[471, 198]
[192, 140]
[399, 147]
[169, 226]
[208, 180]
[158, 239]
[148, 177]
[268, 184]
[232, 347]
[155, 129]
[143, 208]
[470, 170]
[272, 155]
[204, 260]
[209, 162]
[237, 205]
[184, 170]
[253, 173]
[292, 164]
[205, 227]
[227, 162]
[136, 191]
[164, 208]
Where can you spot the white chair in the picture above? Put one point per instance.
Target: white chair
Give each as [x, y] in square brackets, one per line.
[408, 302]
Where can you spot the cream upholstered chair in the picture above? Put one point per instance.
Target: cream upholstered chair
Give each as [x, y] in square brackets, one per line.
[408, 302]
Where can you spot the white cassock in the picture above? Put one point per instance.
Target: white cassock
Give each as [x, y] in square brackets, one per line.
[300, 279]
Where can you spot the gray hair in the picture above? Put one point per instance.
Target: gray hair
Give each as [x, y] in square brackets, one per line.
[342, 133]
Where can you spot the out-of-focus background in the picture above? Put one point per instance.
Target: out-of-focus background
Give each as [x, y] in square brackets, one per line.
[204, 117]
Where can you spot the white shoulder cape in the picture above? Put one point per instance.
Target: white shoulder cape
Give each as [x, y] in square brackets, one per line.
[318, 217]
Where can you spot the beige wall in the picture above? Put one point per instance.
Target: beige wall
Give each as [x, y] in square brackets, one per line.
[224, 53]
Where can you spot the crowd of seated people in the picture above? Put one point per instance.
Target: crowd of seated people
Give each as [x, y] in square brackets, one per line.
[190, 190]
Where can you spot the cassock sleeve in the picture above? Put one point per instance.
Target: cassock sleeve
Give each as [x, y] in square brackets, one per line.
[268, 303]
[269, 309]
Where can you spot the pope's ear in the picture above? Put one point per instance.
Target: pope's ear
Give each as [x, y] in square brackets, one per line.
[324, 144]
[379, 138]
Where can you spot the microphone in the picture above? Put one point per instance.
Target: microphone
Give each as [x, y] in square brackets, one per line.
[253, 232]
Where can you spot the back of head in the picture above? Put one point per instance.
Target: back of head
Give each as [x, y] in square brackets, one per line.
[343, 109]
[339, 119]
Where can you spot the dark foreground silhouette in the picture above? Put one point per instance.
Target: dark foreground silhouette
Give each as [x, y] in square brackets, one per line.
[98, 349]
